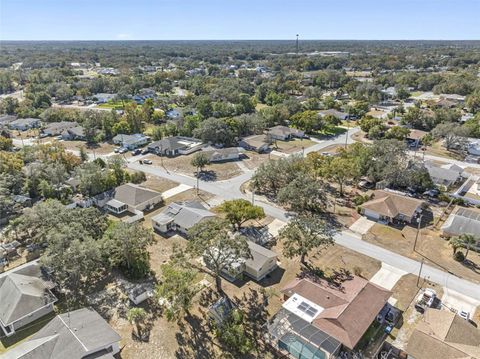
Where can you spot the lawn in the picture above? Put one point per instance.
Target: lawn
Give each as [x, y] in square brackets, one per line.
[430, 246]
[116, 105]
[293, 146]
[437, 149]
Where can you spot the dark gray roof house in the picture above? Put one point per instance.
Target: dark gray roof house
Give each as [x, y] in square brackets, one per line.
[82, 333]
[23, 124]
[175, 145]
[180, 216]
[57, 128]
[25, 295]
[443, 176]
[6, 119]
[462, 221]
[257, 143]
[132, 197]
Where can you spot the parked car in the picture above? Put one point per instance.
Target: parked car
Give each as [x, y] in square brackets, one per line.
[145, 151]
[425, 300]
[147, 162]
[136, 152]
[122, 150]
[464, 315]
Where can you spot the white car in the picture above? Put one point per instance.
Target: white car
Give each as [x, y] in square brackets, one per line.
[465, 315]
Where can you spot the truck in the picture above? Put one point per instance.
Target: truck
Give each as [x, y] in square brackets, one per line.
[425, 300]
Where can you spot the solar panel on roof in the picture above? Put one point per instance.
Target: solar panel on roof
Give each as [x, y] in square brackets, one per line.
[307, 309]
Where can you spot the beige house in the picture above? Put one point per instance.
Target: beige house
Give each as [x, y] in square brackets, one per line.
[392, 207]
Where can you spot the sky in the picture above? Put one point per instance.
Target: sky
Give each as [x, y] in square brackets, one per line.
[239, 19]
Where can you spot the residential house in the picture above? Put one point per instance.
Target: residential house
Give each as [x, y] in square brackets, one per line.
[82, 333]
[443, 334]
[223, 154]
[474, 147]
[257, 143]
[103, 97]
[469, 191]
[318, 317]
[284, 133]
[414, 139]
[131, 142]
[25, 296]
[392, 207]
[445, 176]
[5, 120]
[335, 113]
[23, 124]
[175, 145]
[74, 133]
[462, 221]
[57, 128]
[262, 262]
[133, 198]
[180, 217]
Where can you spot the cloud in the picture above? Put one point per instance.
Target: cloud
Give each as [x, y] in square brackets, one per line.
[124, 37]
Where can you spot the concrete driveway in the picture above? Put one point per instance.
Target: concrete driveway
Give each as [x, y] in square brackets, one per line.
[457, 301]
[175, 190]
[387, 276]
[275, 226]
[362, 225]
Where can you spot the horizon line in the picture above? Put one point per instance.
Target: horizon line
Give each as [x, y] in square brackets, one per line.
[288, 39]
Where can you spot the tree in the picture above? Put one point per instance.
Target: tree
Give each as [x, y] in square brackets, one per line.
[307, 121]
[220, 249]
[136, 316]
[238, 211]
[303, 194]
[398, 133]
[6, 144]
[453, 134]
[340, 170]
[468, 240]
[232, 333]
[177, 289]
[455, 243]
[126, 246]
[216, 131]
[199, 161]
[304, 234]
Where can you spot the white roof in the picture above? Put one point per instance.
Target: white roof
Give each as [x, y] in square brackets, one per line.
[302, 307]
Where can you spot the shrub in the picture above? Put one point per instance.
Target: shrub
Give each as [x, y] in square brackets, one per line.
[459, 256]
[138, 177]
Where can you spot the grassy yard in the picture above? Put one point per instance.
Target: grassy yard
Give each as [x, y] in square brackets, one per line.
[293, 146]
[116, 105]
[437, 149]
[430, 246]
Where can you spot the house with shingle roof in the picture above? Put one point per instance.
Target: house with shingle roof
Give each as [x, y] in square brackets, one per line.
[25, 296]
[319, 317]
[443, 334]
[180, 217]
[23, 124]
[175, 145]
[79, 334]
[223, 154]
[462, 220]
[392, 207]
[133, 198]
[284, 133]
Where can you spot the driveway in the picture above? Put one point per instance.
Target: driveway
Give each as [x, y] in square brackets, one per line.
[275, 226]
[362, 225]
[387, 276]
[175, 190]
[457, 301]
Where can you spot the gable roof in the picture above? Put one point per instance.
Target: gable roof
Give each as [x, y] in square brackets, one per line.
[347, 311]
[184, 214]
[175, 143]
[260, 255]
[134, 195]
[69, 335]
[443, 334]
[462, 221]
[22, 292]
[391, 204]
[285, 131]
[56, 128]
[442, 173]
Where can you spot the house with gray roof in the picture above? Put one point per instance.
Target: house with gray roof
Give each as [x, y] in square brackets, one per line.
[335, 113]
[462, 221]
[223, 154]
[82, 333]
[284, 133]
[175, 145]
[257, 143]
[57, 128]
[444, 176]
[180, 217]
[25, 296]
[74, 133]
[131, 142]
[6, 119]
[23, 124]
[133, 198]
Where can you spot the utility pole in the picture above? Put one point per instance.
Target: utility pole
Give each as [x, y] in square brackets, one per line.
[418, 232]
[297, 44]
[420, 272]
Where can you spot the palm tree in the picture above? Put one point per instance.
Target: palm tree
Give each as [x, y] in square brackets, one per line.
[136, 316]
[468, 240]
[455, 243]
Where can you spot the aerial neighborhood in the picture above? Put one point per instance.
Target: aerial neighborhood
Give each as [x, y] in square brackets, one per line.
[264, 199]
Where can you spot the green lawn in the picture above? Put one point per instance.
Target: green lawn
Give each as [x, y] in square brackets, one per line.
[24, 333]
[116, 105]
